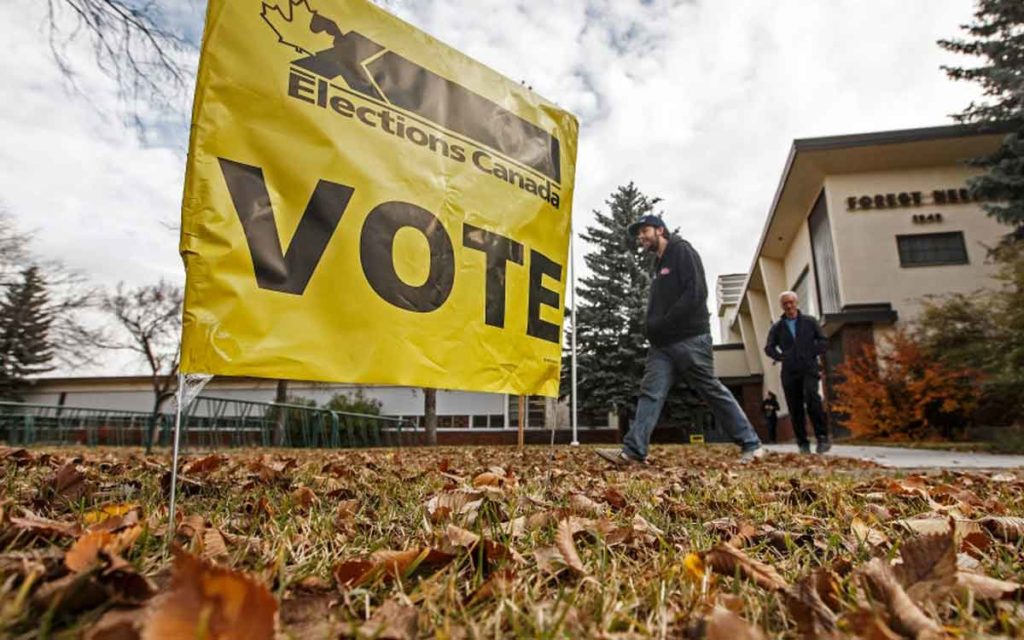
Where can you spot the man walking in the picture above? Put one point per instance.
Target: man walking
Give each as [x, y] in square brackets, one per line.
[796, 341]
[680, 335]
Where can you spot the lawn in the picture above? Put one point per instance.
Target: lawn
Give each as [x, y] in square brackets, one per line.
[488, 542]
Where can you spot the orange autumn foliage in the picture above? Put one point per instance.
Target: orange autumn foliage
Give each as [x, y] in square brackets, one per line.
[900, 393]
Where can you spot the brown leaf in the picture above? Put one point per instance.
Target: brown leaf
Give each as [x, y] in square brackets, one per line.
[867, 624]
[204, 466]
[304, 498]
[73, 593]
[811, 601]
[389, 565]
[212, 602]
[459, 537]
[722, 624]
[584, 506]
[214, 547]
[1007, 529]
[44, 527]
[928, 570]
[69, 482]
[866, 534]
[906, 617]
[487, 479]
[567, 547]
[499, 584]
[986, 588]
[85, 552]
[392, 621]
[116, 624]
[349, 573]
[726, 559]
[614, 498]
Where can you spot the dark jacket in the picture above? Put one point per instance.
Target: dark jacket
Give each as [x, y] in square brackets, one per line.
[798, 355]
[678, 306]
[770, 407]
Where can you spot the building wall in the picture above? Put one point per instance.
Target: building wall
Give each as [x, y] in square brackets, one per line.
[865, 240]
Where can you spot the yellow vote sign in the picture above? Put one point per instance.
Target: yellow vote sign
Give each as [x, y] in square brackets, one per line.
[365, 204]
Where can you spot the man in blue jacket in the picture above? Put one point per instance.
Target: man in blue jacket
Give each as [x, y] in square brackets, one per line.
[680, 335]
[796, 341]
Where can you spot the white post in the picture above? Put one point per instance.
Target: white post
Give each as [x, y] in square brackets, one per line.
[572, 298]
[174, 456]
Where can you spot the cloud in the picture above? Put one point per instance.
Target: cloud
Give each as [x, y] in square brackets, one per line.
[697, 102]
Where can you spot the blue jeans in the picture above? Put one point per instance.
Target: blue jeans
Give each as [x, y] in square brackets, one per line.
[692, 361]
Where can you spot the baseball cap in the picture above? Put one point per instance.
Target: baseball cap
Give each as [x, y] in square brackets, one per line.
[648, 220]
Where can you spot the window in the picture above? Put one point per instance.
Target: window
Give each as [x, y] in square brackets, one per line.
[802, 291]
[930, 249]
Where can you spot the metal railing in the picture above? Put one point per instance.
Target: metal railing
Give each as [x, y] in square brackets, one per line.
[209, 422]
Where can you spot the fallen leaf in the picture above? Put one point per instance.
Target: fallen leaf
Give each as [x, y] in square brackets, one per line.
[117, 624]
[722, 624]
[389, 565]
[614, 498]
[905, 616]
[499, 584]
[213, 545]
[1006, 528]
[304, 498]
[210, 602]
[811, 601]
[928, 570]
[866, 534]
[581, 504]
[392, 621]
[725, 559]
[69, 482]
[204, 466]
[44, 527]
[486, 479]
[566, 545]
[868, 625]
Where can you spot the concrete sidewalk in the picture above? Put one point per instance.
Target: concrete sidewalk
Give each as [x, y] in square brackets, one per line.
[916, 458]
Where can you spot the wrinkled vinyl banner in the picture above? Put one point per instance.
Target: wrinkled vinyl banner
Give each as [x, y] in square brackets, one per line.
[365, 204]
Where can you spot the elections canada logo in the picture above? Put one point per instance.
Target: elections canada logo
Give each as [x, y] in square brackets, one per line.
[351, 76]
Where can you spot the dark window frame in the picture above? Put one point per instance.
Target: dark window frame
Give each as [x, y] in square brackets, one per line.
[901, 250]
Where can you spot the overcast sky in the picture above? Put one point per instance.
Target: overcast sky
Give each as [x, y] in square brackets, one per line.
[696, 102]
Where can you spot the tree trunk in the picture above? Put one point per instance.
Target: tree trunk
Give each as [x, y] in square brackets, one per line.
[279, 419]
[154, 420]
[430, 415]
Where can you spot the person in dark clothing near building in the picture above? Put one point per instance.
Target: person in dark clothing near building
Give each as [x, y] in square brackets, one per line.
[770, 409]
[797, 342]
[678, 329]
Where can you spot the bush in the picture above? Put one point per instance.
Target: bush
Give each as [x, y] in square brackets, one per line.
[355, 402]
[899, 392]
[985, 331]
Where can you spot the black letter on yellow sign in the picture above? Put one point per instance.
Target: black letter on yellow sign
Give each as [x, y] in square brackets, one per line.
[376, 247]
[290, 271]
[499, 251]
[540, 266]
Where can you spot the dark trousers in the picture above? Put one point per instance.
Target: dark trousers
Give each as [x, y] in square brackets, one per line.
[801, 389]
[773, 426]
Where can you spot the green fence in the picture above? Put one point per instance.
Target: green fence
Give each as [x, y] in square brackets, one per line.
[209, 423]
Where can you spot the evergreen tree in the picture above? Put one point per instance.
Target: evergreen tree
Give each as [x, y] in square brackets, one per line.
[997, 37]
[611, 311]
[25, 319]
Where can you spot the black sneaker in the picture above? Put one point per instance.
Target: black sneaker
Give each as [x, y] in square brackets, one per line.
[805, 448]
[823, 447]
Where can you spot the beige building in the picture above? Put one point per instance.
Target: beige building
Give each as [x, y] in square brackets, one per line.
[863, 227]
